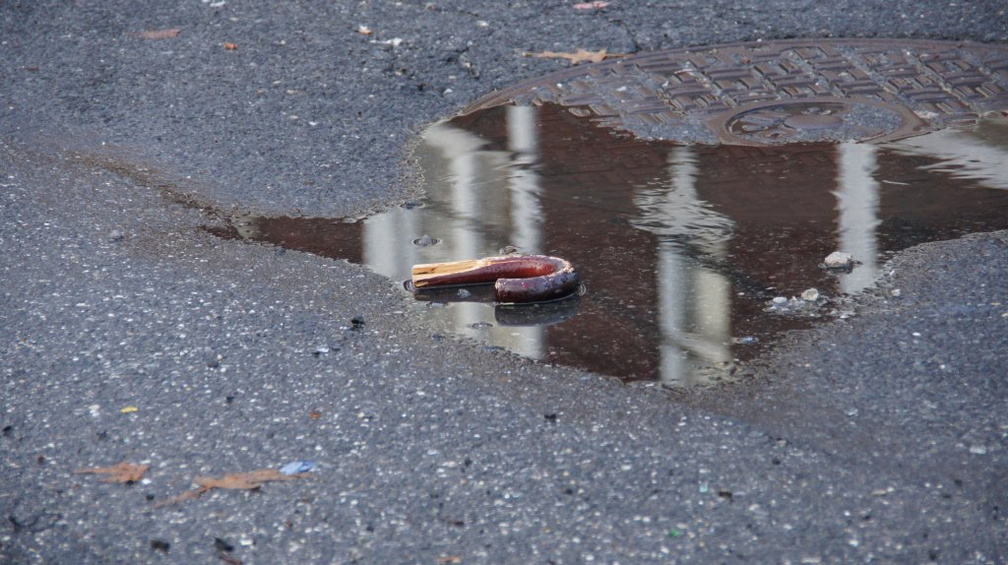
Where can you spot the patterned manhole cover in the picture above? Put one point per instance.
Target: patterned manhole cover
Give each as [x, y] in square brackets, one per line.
[780, 92]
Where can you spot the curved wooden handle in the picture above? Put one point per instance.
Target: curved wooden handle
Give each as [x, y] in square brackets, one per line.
[516, 278]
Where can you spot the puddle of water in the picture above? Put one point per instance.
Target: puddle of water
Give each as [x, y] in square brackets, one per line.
[682, 249]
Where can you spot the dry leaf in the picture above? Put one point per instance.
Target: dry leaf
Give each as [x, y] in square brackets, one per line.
[449, 559]
[231, 46]
[122, 473]
[579, 56]
[188, 495]
[159, 33]
[591, 5]
[364, 30]
[241, 481]
[249, 480]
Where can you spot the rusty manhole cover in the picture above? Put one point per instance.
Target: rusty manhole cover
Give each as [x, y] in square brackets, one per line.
[780, 92]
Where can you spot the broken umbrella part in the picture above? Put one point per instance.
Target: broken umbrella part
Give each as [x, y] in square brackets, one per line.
[516, 278]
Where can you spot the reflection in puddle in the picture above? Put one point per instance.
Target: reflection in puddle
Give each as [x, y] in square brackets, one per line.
[682, 249]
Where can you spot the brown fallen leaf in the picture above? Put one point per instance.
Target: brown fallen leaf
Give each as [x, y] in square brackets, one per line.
[579, 56]
[121, 473]
[188, 495]
[159, 33]
[250, 480]
[231, 46]
[590, 5]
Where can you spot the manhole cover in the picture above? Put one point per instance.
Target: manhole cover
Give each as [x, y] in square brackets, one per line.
[780, 92]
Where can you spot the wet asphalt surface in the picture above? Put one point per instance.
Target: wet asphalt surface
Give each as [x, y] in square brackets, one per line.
[875, 439]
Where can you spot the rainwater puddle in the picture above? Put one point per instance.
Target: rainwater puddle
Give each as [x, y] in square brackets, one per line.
[682, 249]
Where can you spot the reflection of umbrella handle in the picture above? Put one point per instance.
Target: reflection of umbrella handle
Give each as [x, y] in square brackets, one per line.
[516, 278]
[538, 314]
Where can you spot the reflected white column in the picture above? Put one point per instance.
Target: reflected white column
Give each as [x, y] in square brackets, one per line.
[672, 283]
[857, 202]
[466, 239]
[526, 208]
[481, 191]
[456, 155]
[387, 241]
[694, 304]
[713, 320]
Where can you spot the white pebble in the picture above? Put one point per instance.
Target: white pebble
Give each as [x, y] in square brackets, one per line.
[838, 259]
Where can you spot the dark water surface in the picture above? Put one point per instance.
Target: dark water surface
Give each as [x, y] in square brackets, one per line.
[682, 249]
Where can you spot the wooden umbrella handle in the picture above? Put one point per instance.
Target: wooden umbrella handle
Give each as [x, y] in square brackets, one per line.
[516, 278]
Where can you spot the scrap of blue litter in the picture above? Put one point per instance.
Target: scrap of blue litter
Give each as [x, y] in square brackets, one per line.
[295, 467]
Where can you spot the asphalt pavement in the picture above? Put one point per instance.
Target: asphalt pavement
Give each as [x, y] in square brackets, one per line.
[131, 334]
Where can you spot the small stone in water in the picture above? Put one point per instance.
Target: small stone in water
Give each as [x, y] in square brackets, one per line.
[463, 293]
[839, 260]
[426, 240]
[810, 295]
[779, 300]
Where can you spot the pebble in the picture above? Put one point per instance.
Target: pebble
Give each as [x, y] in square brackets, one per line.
[839, 260]
[426, 240]
[810, 295]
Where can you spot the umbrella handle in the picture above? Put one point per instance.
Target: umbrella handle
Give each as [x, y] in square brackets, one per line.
[516, 278]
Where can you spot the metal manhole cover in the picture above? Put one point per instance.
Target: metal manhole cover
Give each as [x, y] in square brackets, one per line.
[780, 92]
